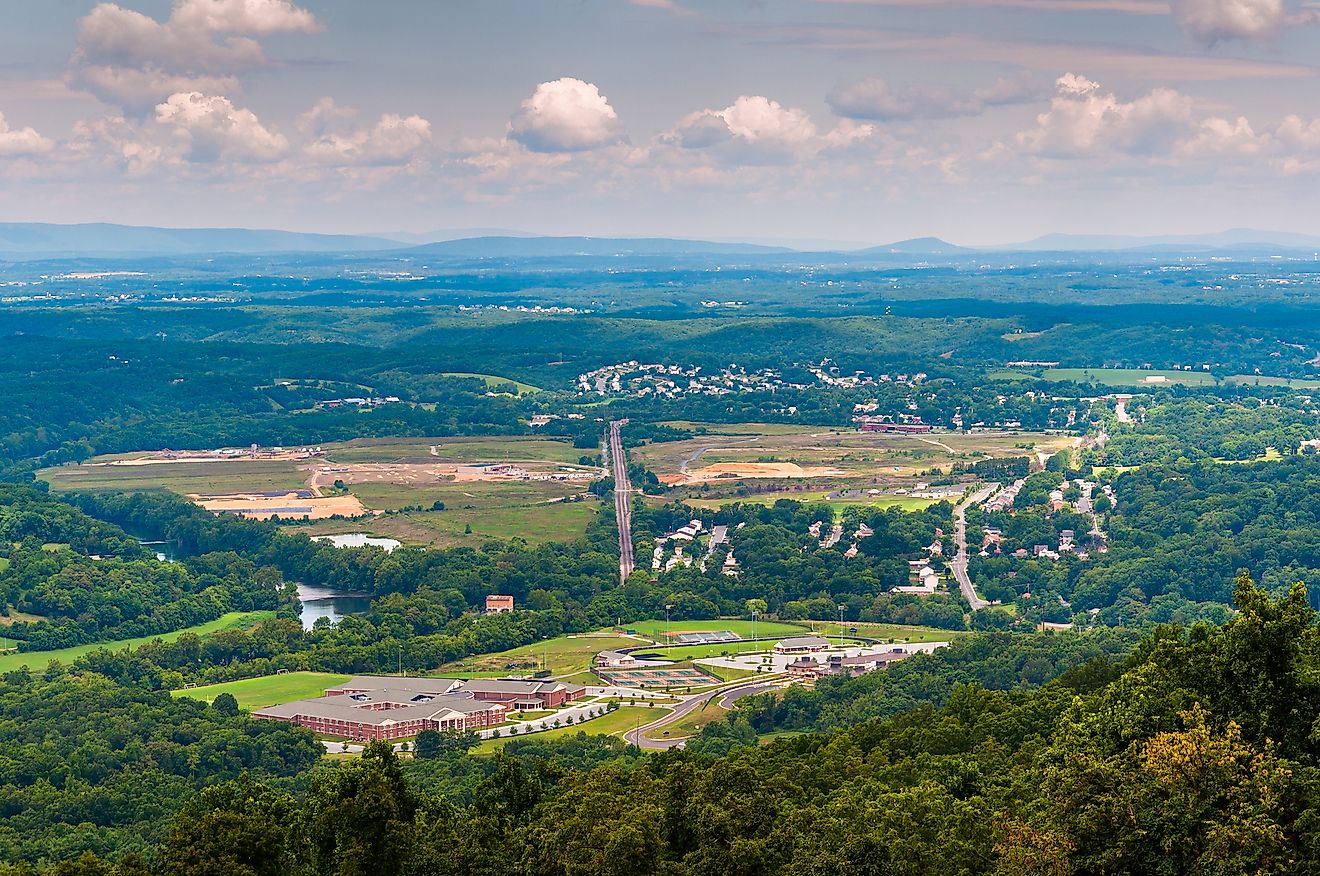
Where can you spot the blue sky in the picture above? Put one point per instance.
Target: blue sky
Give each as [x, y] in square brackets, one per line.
[982, 121]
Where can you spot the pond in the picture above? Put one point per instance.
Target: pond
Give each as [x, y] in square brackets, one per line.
[358, 539]
[319, 602]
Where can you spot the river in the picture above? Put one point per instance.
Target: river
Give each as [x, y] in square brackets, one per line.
[319, 602]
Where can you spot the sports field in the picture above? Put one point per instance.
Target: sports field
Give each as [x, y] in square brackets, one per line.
[268, 690]
[613, 723]
[38, 659]
[655, 629]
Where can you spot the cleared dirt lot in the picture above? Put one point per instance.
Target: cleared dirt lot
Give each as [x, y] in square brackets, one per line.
[292, 505]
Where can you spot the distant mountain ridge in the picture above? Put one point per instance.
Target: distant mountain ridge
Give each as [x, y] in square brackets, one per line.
[915, 246]
[551, 247]
[1233, 238]
[28, 239]
[31, 241]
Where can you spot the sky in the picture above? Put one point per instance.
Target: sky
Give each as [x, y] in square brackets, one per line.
[868, 121]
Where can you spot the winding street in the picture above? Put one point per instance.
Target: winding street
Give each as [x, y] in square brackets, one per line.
[726, 697]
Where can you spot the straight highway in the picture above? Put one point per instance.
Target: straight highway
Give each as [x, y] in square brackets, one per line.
[622, 499]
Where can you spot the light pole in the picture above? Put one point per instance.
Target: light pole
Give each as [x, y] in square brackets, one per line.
[545, 653]
[754, 624]
[668, 640]
[841, 608]
[400, 661]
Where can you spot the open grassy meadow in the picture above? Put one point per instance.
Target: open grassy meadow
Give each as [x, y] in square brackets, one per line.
[268, 690]
[493, 381]
[38, 659]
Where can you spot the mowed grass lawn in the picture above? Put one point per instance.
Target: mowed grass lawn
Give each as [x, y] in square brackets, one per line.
[38, 659]
[567, 654]
[691, 723]
[268, 690]
[897, 632]
[613, 723]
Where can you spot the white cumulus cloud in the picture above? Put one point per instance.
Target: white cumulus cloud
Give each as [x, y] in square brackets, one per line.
[21, 141]
[1214, 21]
[566, 115]
[214, 129]
[134, 61]
[394, 140]
[757, 130]
[1085, 120]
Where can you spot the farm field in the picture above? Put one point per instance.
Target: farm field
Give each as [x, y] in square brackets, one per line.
[610, 724]
[179, 477]
[38, 659]
[567, 654]
[494, 517]
[827, 457]
[268, 690]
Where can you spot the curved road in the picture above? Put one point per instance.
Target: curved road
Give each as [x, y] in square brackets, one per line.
[726, 696]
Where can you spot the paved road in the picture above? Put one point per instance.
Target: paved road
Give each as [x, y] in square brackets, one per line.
[725, 696]
[622, 500]
[959, 562]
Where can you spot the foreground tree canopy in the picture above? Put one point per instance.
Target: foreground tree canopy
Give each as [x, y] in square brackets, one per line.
[1196, 754]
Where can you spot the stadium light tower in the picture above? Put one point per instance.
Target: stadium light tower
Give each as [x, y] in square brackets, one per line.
[841, 608]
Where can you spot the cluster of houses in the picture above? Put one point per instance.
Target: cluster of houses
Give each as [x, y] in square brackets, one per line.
[674, 381]
[371, 707]
[676, 549]
[356, 402]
